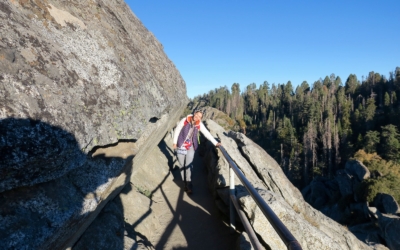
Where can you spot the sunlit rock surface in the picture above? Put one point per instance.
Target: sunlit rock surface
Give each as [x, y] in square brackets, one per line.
[85, 90]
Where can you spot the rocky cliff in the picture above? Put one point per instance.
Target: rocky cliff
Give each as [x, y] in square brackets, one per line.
[86, 92]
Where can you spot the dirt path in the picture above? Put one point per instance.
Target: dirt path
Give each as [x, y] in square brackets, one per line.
[190, 221]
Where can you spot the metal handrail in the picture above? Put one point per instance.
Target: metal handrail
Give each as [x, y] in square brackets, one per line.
[286, 236]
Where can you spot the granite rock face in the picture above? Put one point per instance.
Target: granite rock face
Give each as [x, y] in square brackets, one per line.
[35, 152]
[54, 214]
[86, 92]
[89, 68]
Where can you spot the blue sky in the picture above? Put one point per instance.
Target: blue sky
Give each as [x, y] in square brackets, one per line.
[217, 43]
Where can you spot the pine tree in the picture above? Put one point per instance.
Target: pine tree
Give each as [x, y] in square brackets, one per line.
[390, 143]
[310, 151]
[336, 143]
[352, 84]
[387, 100]
[371, 140]
[369, 113]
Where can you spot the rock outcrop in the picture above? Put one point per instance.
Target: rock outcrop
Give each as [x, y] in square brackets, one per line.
[386, 204]
[357, 169]
[311, 228]
[86, 92]
[391, 226]
[338, 199]
[219, 117]
[88, 67]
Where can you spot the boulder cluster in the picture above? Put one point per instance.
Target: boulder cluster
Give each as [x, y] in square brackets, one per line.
[337, 198]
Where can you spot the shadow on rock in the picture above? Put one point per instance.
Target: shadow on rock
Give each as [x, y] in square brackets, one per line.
[49, 189]
[129, 220]
[34, 152]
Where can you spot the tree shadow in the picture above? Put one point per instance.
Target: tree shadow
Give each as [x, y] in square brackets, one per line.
[169, 154]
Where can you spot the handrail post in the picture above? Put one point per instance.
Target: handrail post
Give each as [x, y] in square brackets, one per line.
[232, 192]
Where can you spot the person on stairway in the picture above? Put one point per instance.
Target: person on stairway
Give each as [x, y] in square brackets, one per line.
[186, 141]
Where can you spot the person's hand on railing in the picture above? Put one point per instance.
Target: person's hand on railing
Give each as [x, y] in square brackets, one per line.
[218, 144]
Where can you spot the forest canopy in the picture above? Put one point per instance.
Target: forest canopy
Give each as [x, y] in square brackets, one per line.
[314, 129]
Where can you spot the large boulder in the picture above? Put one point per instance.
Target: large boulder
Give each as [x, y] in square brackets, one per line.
[218, 167]
[219, 117]
[360, 212]
[390, 228]
[86, 93]
[345, 183]
[88, 68]
[337, 213]
[316, 193]
[357, 169]
[367, 232]
[386, 203]
[265, 168]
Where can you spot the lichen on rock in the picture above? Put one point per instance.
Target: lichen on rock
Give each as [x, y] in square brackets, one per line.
[74, 76]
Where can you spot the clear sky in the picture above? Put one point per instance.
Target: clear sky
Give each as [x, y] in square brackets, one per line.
[216, 43]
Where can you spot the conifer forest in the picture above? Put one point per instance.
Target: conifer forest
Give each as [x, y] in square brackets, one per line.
[313, 129]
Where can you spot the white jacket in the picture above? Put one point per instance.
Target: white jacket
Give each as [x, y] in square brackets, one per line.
[203, 130]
